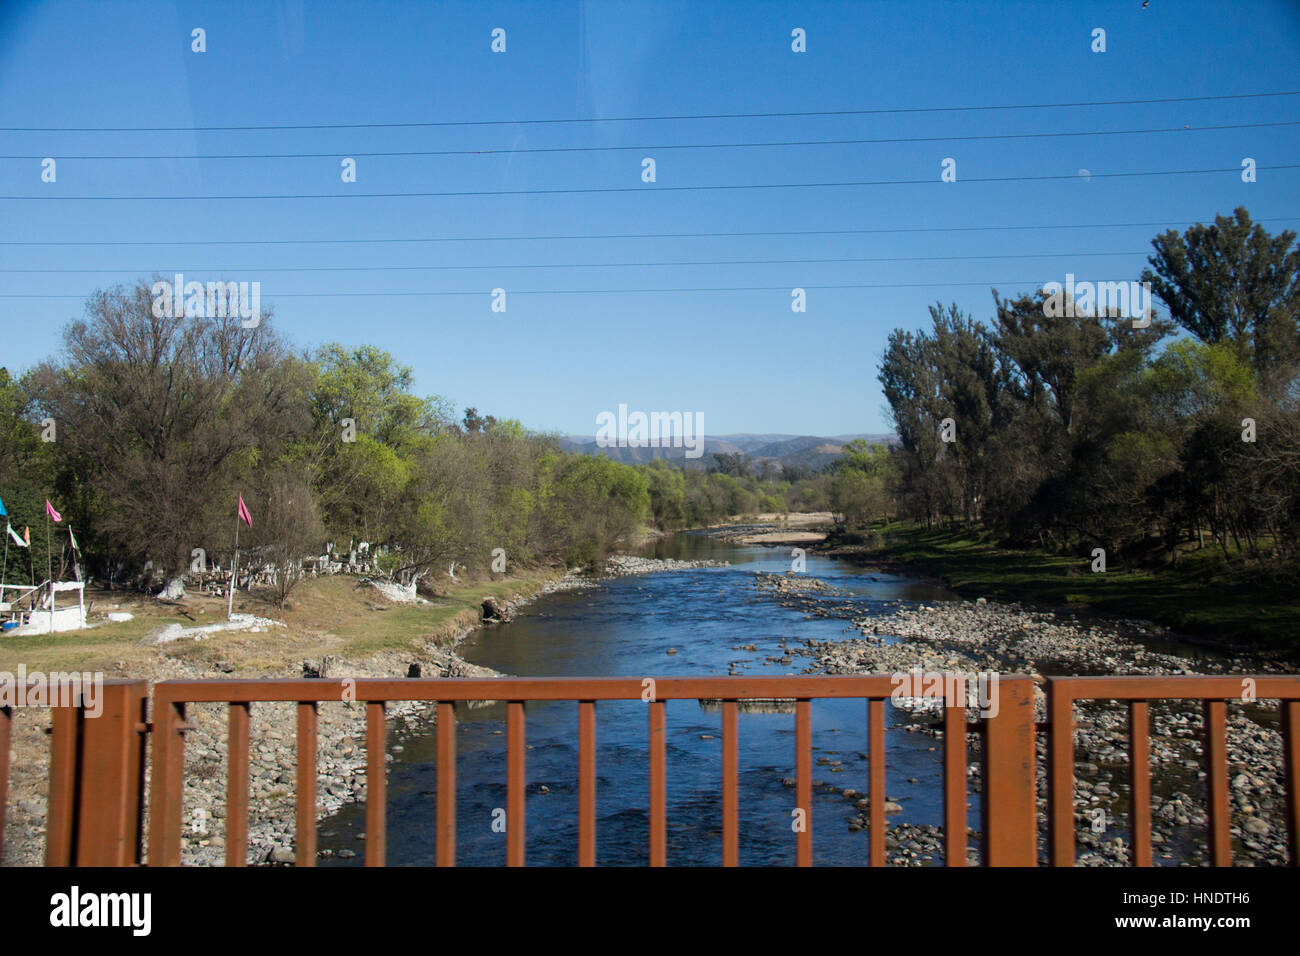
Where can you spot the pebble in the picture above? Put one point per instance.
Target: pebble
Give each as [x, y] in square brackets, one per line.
[973, 637]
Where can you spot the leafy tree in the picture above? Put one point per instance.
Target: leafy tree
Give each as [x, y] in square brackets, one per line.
[159, 416]
[1234, 282]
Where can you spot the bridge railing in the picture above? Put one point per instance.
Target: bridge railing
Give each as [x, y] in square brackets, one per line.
[1213, 692]
[97, 764]
[96, 775]
[1009, 811]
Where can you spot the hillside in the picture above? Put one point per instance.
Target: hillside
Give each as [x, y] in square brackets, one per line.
[782, 451]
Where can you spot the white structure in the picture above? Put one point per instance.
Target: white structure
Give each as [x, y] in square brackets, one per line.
[48, 618]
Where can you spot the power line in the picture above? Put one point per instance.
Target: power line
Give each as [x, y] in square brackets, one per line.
[648, 188]
[603, 236]
[664, 146]
[513, 292]
[641, 119]
[589, 265]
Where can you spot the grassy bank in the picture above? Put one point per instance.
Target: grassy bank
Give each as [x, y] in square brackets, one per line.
[328, 615]
[1200, 596]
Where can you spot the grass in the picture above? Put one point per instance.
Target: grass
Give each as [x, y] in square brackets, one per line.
[324, 616]
[1201, 595]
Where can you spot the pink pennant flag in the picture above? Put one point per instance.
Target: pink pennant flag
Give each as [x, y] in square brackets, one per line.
[243, 512]
[49, 510]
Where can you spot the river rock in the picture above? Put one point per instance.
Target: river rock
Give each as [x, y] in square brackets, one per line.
[495, 611]
[280, 854]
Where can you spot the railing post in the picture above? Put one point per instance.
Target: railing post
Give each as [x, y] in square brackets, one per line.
[165, 783]
[954, 777]
[110, 793]
[1060, 773]
[6, 718]
[1291, 762]
[658, 783]
[61, 822]
[1010, 791]
[804, 782]
[305, 799]
[446, 811]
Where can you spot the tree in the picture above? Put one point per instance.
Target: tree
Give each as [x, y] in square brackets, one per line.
[861, 483]
[1233, 282]
[289, 526]
[27, 476]
[597, 502]
[160, 416]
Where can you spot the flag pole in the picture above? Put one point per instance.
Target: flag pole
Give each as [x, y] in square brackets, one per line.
[49, 564]
[4, 565]
[234, 568]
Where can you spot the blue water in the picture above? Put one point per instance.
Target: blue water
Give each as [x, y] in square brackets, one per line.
[624, 628]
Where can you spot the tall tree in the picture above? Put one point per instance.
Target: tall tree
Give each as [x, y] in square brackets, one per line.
[158, 417]
[1232, 281]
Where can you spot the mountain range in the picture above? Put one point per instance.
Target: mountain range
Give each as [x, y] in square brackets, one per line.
[782, 451]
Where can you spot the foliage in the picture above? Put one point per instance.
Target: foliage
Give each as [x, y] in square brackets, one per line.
[1075, 431]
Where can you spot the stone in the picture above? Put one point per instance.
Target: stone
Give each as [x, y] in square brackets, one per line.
[494, 610]
[280, 854]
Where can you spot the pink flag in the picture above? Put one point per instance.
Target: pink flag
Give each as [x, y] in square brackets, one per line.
[243, 512]
[49, 510]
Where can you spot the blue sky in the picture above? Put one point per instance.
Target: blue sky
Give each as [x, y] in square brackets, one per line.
[555, 361]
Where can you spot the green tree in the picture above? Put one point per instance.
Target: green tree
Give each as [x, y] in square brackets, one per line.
[1234, 282]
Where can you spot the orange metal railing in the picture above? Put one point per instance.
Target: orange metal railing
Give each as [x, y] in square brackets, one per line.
[96, 807]
[95, 800]
[1062, 692]
[1009, 756]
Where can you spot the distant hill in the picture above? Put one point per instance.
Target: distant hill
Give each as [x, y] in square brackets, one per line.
[783, 451]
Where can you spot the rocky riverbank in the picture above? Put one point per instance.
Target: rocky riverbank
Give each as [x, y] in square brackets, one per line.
[976, 636]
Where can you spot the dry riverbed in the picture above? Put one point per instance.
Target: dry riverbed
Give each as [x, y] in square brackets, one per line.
[974, 636]
[771, 529]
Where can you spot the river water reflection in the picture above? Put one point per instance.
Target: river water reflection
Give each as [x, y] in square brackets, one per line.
[625, 627]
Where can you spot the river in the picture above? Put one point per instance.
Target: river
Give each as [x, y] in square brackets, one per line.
[625, 627]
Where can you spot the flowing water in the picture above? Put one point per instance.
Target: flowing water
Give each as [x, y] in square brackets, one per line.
[625, 627]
